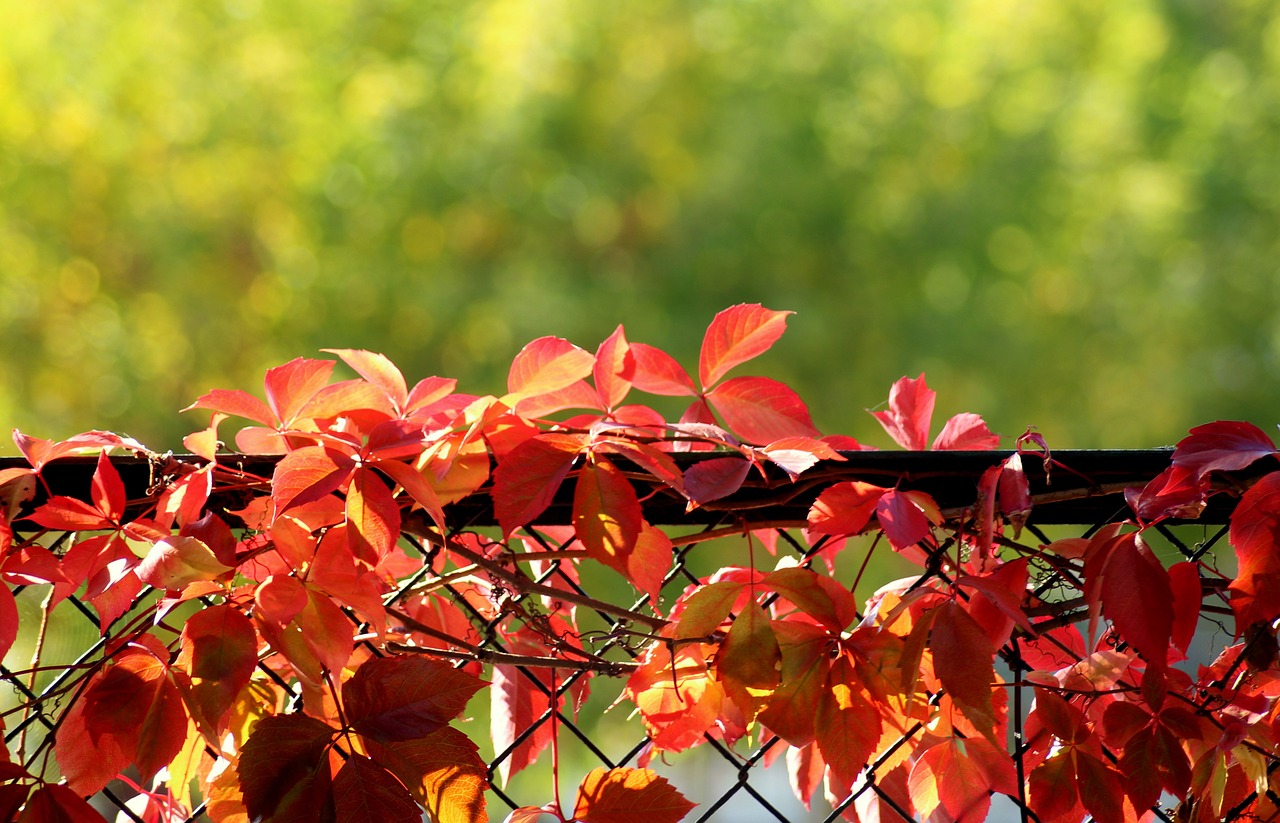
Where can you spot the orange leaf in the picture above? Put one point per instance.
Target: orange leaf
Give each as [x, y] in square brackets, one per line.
[178, 561]
[676, 695]
[308, 474]
[792, 709]
[546, 365]
[606, 514]
[735, 336]
[291, 386]
[139, 707]
[378, 370]
[219, 653]
[747, 663]
[626, 795]
[963, 658]
[527, 479]
[761, 410]
[373, 518]
[443, 772]
[946, 779]
[848, 724]
[844, 508]
[614, 368]
[657, 372]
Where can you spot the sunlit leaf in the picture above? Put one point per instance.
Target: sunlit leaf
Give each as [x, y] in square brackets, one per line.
[736, 335]
[625, 795]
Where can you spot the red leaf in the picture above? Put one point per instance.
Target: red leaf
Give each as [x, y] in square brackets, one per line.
[364, 792]
[1184, 581]
[963, 657]
[910, 413]
[649, 561]
[844, 508]
[306, 475]
[1053, 787]
[1137, 598]
[546, 365]
[8, 620]
[88, 761]
[713, 479]
[736, 335]
[138, 706]
[901, 519]
[678, 699]
[517, 705]
[614, 369]
[291, 386]
[235, 403]
[219, 653]
[792, 710]
[966, 432]
[285, 763]
[957, 777]
[818, 596]
[527, 479]
[107, 491]
[627, 795]
[443, 772]
[1175, 492]
[1225, 445]
[606, 514]
[657, 372]
[1255, 536]
[391, 699]
[848, 725]
[760, 410]
[378, 370]
[373, 518]
[69, 514]
[1101, 788]
[58, 804]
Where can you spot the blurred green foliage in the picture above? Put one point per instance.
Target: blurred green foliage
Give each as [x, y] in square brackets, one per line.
[1066, 212]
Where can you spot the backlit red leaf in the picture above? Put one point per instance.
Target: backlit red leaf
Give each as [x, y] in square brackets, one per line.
[713, 479]
[848, 724]
[291, 386]
[844, 508]
[107, 491]
[235, 403]
[606, 514]
[957, 776]
[373, 518]
[1255, 535]
[910, 413]
[364, 792]
[748, 660]
[792, 710]
[657, 372]
[1226, 445]
[88, 761]
[390, 699]
[139, 707]
[69, 514]
[378, 370]
[1137, 598]
[546, 365]
[306, 475]
[963, 658]
[966, 432]
[52, 803]
[761, 410]
[626, 795]
[1175, 492]
[735, 336]
[443, 772]
[219, 653]
[527, 479]
[614, 369]
[8, 620]
[901, 519]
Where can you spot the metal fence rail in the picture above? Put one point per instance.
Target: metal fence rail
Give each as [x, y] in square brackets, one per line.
[1085, 493]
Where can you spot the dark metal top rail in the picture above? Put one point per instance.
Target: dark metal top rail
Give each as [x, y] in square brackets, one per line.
[1085, 486]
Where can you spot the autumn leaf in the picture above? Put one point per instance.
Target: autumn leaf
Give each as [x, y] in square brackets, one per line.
[373, 517]
[606, 514]
[965, 432]
[657, 372]
[219, 654]
[844, 508]
[308, 474]
[902, 520]
[390, 699]
[625, 795]
[715, 478]
[1226, 445]
[735, 336]
[1255, 535]
[760, 410]
[137, 705]
[52, 803]
[379, 371]
[443, 772]
[962, 657]
[957, 777]
[178, 561]
[614, 368]
[748, 661]
[285, 764]
[365, 792]
[792, 709]
[910, 413]
[1137, 598]
[527, 479]
[847, 723]
[546, 365]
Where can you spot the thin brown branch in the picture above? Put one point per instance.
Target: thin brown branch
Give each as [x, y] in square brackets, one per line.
[608, 667]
